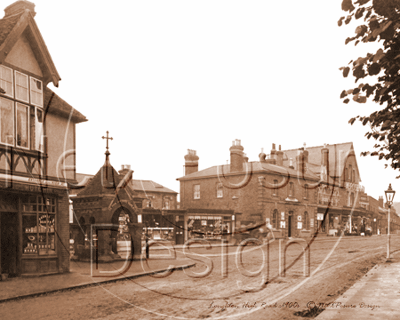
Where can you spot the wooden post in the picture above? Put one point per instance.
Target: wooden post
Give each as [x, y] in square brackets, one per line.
[19, 238]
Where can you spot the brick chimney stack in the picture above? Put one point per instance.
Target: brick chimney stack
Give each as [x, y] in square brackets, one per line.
[273, 152]
[262, 156]
[20, 6]
[124, 169]
[381, 202]
[279, 157]
[236, 156]
[300, 163]
[191, 162]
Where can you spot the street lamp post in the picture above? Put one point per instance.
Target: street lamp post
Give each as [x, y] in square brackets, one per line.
[389, 193]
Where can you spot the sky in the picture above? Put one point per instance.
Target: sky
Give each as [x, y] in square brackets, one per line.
[166, 76]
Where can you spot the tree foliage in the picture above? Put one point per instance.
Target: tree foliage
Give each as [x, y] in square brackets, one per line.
[380, 23]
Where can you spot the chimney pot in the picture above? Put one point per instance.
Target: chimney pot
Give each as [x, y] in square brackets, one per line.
[19, 7]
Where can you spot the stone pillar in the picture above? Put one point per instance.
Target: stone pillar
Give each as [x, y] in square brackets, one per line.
[135, 230]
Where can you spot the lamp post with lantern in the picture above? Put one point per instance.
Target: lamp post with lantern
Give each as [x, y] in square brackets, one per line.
[389, 193]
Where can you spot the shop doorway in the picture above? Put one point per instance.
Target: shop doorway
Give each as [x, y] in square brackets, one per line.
[9, 243]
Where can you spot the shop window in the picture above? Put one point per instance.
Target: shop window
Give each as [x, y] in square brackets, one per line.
[7, 121]
[39, 226]
[196, 191]
[275, 219]
[6, 81]
[21, 87]
[220, 190]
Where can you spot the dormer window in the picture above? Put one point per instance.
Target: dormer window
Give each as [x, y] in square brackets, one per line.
[6, 81]
[21, 87]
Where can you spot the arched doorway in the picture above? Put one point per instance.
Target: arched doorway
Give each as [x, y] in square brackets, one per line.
[120, 237]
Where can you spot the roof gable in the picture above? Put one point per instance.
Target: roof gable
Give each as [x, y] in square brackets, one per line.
[338, 154]
[23, 24]
[105, 182]
[22, 55]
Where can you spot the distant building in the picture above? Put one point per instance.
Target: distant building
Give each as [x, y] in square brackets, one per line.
[298, 192]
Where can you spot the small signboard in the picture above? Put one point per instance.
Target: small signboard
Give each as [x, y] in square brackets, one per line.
[299, 225]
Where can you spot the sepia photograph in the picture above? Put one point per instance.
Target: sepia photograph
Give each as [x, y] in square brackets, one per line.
[199, 159]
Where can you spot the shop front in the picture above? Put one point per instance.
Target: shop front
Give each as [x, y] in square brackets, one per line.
[33, 230]
[209, 224]
[158, 225]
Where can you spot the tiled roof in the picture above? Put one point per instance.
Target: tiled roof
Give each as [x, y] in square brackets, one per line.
[149, 186]
[267, 168]
[337, 154]
[136, 185]
[6, 26]
[59, 106]
[104, 181]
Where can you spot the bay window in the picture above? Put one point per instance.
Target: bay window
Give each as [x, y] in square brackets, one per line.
[7, 121]
[6, 81]
[21, 87]
[36, 92]
[21, 124]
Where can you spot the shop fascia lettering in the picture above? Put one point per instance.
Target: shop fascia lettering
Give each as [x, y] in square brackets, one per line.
[34, 181]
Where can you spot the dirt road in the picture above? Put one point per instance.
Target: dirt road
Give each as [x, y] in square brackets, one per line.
[221, 288]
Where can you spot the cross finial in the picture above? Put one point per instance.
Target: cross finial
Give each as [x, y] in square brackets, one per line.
[107, 138]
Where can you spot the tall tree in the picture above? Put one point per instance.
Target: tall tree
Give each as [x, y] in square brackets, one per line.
[380, 23]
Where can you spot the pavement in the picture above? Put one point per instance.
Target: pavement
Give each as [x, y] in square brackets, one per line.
[83, 274]
[374, 296]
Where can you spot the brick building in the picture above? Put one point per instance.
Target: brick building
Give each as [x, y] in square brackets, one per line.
[155, 204]
[297, 191]
[34, 229]
[260, 190]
